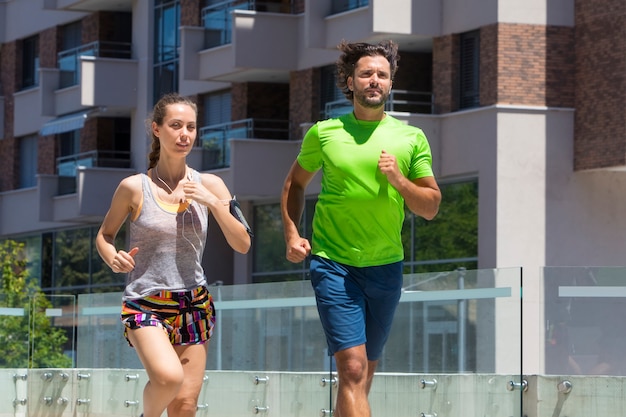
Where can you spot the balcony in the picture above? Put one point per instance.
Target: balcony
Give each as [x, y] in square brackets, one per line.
[412, 24]
[68, 166]
[215, 139]
[103, 82]
[240, 45]
[455, 349]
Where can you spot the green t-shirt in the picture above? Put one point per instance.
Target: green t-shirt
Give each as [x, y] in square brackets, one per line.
[359, 215]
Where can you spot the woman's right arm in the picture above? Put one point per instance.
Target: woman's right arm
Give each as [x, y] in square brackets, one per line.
[125, 201]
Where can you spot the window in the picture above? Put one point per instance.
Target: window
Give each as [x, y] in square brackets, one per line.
[332, 101]
[28, 161]
[217, 108]
[166, 43]
[30, 62]
[469, 70]
[269, 261]
[340, 6]
[450, 240]
[446, 243]
[67, 261]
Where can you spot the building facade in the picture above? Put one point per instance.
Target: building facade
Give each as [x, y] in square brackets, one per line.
[522, 102]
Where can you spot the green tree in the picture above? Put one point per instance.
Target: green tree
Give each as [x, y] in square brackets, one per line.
[28, 340]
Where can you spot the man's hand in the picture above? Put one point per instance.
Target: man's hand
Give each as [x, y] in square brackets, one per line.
[298, 250]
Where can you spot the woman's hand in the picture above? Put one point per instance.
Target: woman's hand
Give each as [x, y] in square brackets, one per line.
[123, 261]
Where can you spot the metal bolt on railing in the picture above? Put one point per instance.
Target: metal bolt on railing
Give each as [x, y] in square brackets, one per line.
[47, 376]
[564, 387]
[260, 409]
[63, 376]
[22, 377]
[261, 380]
[131, 377]
[202, 406]
[62, 400]
[428, 415]
[131, 403]
[83, 401]
[83, 376]
[512, 385]
[325, 381]
[324, 412]
[428, 383]
[20, 401]
[47, 401]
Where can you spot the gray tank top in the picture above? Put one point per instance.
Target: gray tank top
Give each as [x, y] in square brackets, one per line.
[170, 245]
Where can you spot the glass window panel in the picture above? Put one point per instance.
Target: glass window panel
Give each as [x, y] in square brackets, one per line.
[217, 108]
[28, 161]
[103, 279]
[72, 249]
[167, 18]
[469, 70]
[450, 240]
[30, 62]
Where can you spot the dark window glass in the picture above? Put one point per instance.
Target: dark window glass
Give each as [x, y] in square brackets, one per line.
[217, 108]
[69, 143]
[71, 36]
[269, 262]
[469, 70]
[446, 243]
[166, 43]
[30, 62]
[28, 161]
[450, 240]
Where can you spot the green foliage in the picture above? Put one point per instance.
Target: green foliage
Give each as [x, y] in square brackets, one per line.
[28, 340]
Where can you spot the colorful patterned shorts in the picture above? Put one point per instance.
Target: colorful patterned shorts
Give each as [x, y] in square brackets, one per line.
[188, 317]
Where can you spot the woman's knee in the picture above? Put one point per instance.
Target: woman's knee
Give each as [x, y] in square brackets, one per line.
[170, 378]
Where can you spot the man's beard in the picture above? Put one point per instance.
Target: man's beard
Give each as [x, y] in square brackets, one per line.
[362, 98]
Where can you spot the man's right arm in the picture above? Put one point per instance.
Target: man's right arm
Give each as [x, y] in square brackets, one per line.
[292, 206]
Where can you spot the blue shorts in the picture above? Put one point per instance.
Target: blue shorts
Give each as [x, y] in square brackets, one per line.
[356, 305]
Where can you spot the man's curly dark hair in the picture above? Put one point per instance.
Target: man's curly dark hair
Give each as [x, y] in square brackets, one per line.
[352, 52]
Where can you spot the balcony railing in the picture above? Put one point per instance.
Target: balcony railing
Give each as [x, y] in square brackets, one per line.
[399, 101]
[214, 139]
[340, 6]
[217, 17]
[455, 349]
[67, 165]
[69, 60]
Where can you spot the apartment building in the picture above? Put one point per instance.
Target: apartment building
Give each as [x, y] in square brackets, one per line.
[522, 102]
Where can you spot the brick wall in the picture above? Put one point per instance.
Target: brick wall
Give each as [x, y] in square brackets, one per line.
[190, 13]
[304, 102]
[445, 73]
[8, 145]
[600, 119]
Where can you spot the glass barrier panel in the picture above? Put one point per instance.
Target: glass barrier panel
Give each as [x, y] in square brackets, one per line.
[101, 342]
[14, 331]
[271, 327]
[53, 324]
[457, 322]
[584, 326]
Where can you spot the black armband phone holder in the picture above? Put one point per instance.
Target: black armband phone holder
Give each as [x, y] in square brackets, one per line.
[235, 210]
